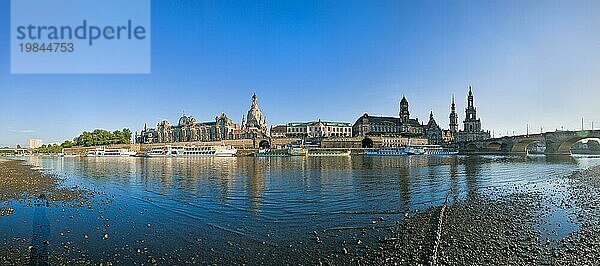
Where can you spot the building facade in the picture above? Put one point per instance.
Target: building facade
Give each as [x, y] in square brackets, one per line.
[222, 128]
[385, 125]
[34, 143]
[433, 132]
[279, 131]
[471, 125]
[188, 129]
[319, 129]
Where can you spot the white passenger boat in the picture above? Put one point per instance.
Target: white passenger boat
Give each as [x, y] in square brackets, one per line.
[328, 153]
[298, 151]
[108, 152]
[414, 151]
[271, 153]
[192, 151]
[385, 152]
[438, 151]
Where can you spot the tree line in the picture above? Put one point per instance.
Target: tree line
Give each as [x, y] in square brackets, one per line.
[98, 137]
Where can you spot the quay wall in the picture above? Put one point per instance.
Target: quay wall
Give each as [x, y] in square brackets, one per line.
[240, 144]
[248, 146]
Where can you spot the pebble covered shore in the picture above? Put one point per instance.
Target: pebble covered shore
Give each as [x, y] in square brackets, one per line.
[21, 182]
[482, 231]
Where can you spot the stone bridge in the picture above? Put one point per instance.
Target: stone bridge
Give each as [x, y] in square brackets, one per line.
[557, 143]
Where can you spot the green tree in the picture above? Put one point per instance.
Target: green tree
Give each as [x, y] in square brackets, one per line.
[54, 148]
[103, 137]
[593, 145]
[67, 144]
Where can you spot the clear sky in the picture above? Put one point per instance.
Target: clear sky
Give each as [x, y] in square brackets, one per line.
[535, 62]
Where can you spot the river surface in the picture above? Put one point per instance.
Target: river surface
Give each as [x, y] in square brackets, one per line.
[268, 210]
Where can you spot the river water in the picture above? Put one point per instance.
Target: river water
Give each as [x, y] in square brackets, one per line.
[267, 210]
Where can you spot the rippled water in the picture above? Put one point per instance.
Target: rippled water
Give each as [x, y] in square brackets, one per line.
[257, 209]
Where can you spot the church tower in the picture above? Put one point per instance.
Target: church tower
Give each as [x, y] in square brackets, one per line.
[404, 113]
[453, 117]
[471, 123]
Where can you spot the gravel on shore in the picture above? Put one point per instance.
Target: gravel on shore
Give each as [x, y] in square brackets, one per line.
[22, 182]
[482, 231]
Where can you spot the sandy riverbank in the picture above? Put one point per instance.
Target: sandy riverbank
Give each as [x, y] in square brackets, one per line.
[481, 231]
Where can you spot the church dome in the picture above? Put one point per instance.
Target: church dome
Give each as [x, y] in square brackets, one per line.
[186, 120]
[255, 118]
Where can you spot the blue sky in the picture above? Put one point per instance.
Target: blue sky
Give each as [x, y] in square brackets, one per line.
[535, 62]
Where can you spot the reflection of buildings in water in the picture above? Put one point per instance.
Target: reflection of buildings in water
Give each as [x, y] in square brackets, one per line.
[256, 170]
[330, 168]
[454, 189]
[319, 174]
[435, 182]
[157, 170]
[370, 169]
[198, 175]
[404, 188]
[472, 169]
[192, 176]
[119, 169]
[385, 162]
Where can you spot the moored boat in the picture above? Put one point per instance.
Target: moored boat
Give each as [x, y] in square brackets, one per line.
[414, 151]
[328, 153]
[192, 151]
[298, 151]
[108, 152]
[271, 153]
[385, 152]
[438, 151]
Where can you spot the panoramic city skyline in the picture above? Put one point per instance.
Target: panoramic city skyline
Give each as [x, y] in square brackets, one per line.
[528, 63]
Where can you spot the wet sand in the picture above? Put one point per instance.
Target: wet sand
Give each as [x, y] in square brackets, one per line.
[481, 231]
[23, 185]
[21, 182]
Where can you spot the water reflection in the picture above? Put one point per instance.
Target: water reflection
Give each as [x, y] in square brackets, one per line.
[41, 233]
[281, 201]
[472, 165]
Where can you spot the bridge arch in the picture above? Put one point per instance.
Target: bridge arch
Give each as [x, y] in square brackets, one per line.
[264, 144]
[565, 147]
[521, 146]
[494, 146]
[560, 142]
[472, 147]
[367, 143]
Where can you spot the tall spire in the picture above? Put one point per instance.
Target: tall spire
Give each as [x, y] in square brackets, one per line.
[453, 117]
[470, 103]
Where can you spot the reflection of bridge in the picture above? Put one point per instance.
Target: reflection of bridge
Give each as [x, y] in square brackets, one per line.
[558, 142]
